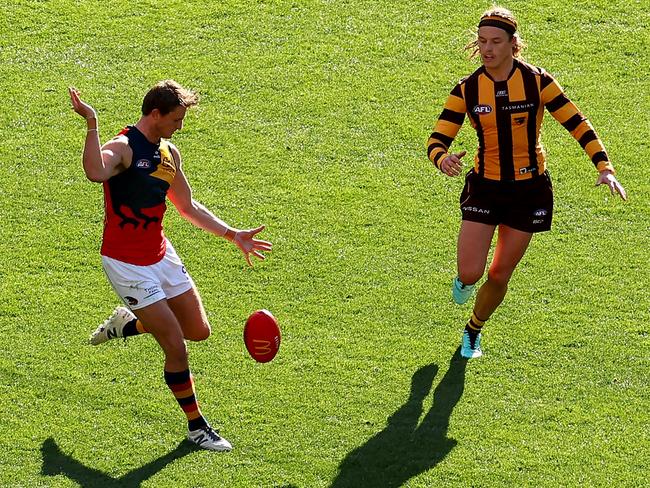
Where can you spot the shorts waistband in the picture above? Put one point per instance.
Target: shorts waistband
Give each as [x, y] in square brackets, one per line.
[489, 181]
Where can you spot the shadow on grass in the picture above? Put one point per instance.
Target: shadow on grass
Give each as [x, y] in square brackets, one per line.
[56, 462]
[405, 449]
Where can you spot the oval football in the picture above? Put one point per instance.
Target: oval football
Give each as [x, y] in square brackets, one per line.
[262, 336]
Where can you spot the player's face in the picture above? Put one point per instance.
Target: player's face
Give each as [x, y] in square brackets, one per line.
[171, 122]
[495, 47]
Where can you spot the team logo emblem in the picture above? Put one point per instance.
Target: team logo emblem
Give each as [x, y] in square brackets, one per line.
[520, 120]
[143, 164]
[482, 109]
[540, 213]
[131, 301]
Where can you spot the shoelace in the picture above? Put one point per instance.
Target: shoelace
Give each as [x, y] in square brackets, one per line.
[211, 433]
[472, 339]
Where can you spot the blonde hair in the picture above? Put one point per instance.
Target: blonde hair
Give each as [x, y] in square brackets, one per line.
[503, 16]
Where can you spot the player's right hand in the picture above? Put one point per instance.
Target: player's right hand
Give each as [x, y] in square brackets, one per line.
[79, 106]
[452, 165]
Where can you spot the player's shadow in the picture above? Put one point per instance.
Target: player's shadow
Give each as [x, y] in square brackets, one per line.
[55, 462]
[405, 449]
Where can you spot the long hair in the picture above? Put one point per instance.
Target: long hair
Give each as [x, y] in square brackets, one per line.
[507, 16]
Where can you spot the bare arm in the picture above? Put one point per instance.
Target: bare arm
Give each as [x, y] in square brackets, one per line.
[99, 163]
[180, 194]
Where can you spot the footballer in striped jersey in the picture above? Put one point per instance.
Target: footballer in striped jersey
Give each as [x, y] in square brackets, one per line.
[508, 187]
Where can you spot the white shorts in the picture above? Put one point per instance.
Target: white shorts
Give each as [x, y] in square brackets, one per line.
[139, 286]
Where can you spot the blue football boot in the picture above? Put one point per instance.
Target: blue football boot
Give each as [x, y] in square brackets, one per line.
[460, 292]
[471, 349]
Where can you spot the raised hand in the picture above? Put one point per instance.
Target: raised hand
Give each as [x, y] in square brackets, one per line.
[79, 106]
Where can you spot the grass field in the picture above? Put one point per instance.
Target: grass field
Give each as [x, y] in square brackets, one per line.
[313, 121]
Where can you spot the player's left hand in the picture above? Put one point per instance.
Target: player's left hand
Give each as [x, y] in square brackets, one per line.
[246, 242]
[607, 178]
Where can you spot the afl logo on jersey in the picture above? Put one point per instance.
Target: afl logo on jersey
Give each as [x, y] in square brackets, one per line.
[143, 164]
[482, 109]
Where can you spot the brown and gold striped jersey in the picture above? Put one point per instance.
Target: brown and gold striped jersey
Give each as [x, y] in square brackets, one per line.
[507, 116]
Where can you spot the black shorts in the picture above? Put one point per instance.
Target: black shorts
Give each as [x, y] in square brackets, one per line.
[523, 205]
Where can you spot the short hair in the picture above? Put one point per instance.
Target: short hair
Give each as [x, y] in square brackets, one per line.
[509, 18]
[166, 96]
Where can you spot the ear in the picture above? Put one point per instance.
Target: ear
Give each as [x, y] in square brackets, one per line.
[155, 114]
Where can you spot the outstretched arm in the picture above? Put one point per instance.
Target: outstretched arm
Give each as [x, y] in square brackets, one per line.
[567, 114]
[180, 195]
[99, 165]
[607, 178]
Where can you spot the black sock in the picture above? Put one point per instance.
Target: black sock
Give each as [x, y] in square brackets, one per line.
[473, 327]
[197, 423]
[130, 329]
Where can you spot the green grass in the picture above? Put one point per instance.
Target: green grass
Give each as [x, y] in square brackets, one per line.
[313, 120]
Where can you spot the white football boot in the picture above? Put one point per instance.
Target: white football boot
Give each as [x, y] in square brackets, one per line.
[112, 327]
[208, 438]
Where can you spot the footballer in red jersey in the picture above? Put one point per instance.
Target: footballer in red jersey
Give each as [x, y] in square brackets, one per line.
[140, 169]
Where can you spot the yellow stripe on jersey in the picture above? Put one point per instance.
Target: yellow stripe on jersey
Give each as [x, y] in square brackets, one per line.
[567, 114]
[449, 123]
[166, 170]
[507, 116]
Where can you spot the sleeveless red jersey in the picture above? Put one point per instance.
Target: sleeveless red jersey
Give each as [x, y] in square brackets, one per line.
[135, 203]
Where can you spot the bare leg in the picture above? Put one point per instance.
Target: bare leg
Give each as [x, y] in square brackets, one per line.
[510, 248]
[474, 241]
[191, 316]
[161, 322]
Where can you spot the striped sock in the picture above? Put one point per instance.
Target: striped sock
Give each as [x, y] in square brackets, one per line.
[133, 328]
[182, 386]
[474, 326]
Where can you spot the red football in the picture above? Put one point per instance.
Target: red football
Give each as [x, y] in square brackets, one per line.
[262, 336]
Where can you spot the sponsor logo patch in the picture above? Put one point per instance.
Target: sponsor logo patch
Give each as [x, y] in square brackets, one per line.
[143, 164]
[518, 107]
[482, 109]
[502, 93]
[131, 301]
[485, 211]
[540, 213]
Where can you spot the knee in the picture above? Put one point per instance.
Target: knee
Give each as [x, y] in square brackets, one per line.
[199, 333]
[176, 351]
[469, 276]
[500, 276]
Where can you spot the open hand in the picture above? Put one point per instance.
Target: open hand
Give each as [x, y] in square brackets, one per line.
[607, 178]
[246, 242]
[79, 106]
